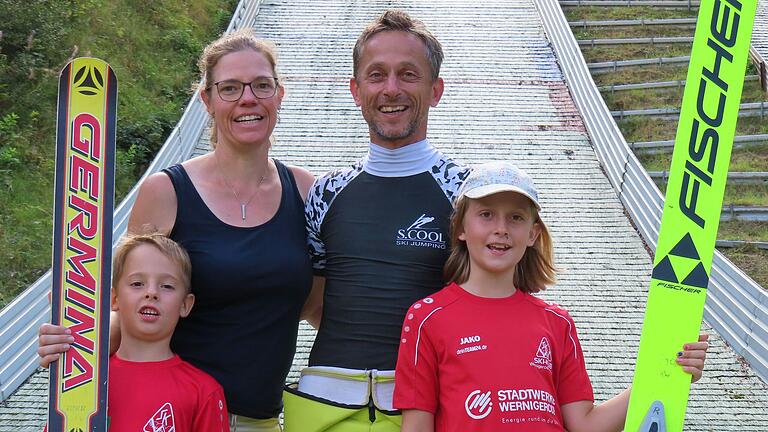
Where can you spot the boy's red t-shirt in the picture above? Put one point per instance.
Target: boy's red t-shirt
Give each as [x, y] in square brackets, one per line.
[168, 395]
[489, 364]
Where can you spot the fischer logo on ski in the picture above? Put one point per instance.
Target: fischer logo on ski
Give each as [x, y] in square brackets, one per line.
[682, 265]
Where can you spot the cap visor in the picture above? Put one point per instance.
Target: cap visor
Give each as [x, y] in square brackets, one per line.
[484, 191]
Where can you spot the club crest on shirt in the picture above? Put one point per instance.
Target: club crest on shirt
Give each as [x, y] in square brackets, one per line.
[543, 357]
[162, 420]
[420, 234]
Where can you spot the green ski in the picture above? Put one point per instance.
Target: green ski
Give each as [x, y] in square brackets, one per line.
[691, 214]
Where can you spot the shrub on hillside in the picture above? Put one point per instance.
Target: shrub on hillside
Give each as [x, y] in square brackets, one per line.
[32, 45]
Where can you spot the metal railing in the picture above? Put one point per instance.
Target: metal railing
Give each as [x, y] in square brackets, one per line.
[21, 319]
[687, 4]
[637, 41]
[633, 22]
[744, 213]
[760, 65]
[613, 66]
[750, 109]
[666, 146]
[734, 177]
[680, 84]
[736, 306]
[740, 243]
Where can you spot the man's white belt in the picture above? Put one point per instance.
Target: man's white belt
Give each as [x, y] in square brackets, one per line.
[349, 386]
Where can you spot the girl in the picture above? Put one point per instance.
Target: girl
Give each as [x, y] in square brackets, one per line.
[483, 354]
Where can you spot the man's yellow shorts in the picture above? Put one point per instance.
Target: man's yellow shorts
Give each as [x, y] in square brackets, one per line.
[307, 413]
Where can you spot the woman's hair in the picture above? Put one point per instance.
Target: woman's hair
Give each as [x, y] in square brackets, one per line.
[535, 270]
[240, 40]
[165, 245]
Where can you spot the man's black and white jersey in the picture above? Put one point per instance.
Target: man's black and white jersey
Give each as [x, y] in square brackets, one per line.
[379, 233]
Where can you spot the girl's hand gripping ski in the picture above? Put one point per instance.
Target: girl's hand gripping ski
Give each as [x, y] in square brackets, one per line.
[694, 197]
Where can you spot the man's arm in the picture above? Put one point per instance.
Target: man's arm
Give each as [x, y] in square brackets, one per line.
[312, 311]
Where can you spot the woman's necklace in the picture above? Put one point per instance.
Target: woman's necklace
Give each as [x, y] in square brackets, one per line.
[243, 205]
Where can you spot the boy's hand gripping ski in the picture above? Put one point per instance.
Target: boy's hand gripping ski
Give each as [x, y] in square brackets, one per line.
[82, 244]
[694, 197]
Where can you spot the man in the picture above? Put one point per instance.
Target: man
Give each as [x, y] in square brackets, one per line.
[378, 231]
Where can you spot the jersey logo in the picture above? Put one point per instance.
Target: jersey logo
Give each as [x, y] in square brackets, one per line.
[470, 344]
[421, 221]
[478, 404]
[543, 357]
[420, 236]
[469, 339]
[162, 420]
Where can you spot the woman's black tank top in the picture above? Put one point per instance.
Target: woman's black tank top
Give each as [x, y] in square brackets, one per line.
[249, 286]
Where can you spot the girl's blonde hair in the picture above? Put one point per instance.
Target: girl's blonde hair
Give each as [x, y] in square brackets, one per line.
[533, 273]
[239, 40]
[172, 250]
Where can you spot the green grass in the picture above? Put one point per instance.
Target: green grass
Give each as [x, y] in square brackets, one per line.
[741, 195]
[753, 158]
[743, 230]
[655, 73]
[748, 258]
[643, 98]
[642, 74]
[600, 53]
[622, 32]
[751, 260]
[650, 129]
[669, 97]
[153, 47]
[26, 231]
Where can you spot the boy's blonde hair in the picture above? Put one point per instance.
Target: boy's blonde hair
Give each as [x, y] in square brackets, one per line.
[165, 245]
[535, 270]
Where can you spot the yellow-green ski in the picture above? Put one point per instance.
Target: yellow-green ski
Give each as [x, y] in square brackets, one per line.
[688, 232]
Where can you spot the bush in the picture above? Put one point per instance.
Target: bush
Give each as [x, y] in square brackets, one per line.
[142, 138]
[9, 157]
[185, 43]
[8, 128]
[33, 43]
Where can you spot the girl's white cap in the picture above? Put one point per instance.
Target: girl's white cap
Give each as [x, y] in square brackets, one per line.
[500, 176]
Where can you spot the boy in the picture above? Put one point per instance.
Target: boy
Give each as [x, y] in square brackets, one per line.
[150, 387]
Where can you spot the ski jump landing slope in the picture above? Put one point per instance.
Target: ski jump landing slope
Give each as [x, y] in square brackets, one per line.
[505, 98]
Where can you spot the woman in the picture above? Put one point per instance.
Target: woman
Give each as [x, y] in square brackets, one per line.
[240, 215]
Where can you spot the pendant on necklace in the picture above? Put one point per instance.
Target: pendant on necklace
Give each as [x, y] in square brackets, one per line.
[242, 211]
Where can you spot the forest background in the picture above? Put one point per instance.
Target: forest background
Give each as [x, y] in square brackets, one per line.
[153, 46]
